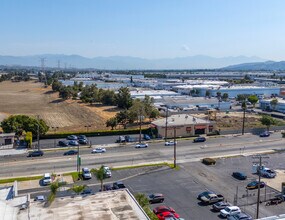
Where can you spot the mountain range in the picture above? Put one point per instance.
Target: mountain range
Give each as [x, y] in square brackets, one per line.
[127, 62]
[268, 65]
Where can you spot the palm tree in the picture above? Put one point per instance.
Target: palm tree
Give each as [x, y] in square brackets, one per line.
[142, 200]
[78, 188]
[100, 175]
[53, 190]
[273, 103]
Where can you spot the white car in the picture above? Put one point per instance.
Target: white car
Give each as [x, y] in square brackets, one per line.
[47, 179]
[86, 174]
[141, 145]
[229, 211]
[170, 143]
[98, 150]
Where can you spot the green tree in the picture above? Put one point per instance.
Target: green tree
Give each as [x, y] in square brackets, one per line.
[78, 188]
[108, 97]
[112, 122]
[274, 103]
[29, 139]
[267, 121]
[100, 175]
[19, 123]
[253, 99]
[144, 203]
[89, 94]
[56, 86]
[225, 96]
[123, 98]
[123, 118]
[53, 190]
[242, 97]
[219, 94]
[154, 114]
[66, 92]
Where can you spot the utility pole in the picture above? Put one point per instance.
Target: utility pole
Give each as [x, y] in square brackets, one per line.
[243, 119]
[259, 157]
[54, 143]
[166, 123]
[38, 132]
[174, 162]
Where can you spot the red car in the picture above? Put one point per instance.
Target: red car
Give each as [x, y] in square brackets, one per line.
[163, 215]
[163, 208]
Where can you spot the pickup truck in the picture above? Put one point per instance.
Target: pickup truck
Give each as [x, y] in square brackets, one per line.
[212, 198]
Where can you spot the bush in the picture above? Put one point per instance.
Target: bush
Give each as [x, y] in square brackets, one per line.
[95, 133]
[283, 134]
[209, 161]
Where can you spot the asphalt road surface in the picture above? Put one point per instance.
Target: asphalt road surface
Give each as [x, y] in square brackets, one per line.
[187, 151]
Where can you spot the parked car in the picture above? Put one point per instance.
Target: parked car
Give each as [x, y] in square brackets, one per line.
[98, 150]
[70, 152]
[47, 179]
[264, 134]
[121, 139]
[82, 137]
[155, 198]
[212, 198]
[73, 143]
[220, 205]
[87, 191]
[107, 172]
[240, 216]
[170, 143]
[63, 143]
[86, 174]
[229, 211]
[141, 145]
[239, 175]
[72, 137]
[40, 198]
[37, 153]
[82, 141]
[254, 185]
[118, 185]
[163, 208]
[276, 200]
[199, 139]
[267, 172]
[107, 187]
[146, 137]
[204, 194]
[165, 215]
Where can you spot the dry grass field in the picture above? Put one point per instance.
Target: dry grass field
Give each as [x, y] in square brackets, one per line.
[31, 98]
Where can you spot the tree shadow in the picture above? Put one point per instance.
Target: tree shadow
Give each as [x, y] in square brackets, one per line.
[49, 92]
[56, 101]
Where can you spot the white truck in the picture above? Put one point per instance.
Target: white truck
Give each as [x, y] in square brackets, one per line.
[264, 171]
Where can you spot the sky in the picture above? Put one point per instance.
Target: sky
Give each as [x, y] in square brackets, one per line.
[143, 28]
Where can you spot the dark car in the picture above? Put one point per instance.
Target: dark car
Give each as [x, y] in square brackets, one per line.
[155, 198]
[82, 137]
[63, 143]
[72, 137]
[38, 153]
[107, 187]
[87, 192]
[240, 216]
[82, 141]
[73, 143]
[254, 185]
[220, 205]
[118, 185]
[239, 175]
[204, 194]
[163, 208]
[199, 139]
[264, 134]
[71, 152]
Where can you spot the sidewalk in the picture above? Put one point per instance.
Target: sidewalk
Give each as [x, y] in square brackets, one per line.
[9, 152]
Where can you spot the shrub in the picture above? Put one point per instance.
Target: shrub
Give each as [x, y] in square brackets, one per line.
[209, 161]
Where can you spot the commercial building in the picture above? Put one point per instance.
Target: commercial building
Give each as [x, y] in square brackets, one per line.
[265, 104]
[7, 138]
[232, 91]
[185, 125]
[140, 94]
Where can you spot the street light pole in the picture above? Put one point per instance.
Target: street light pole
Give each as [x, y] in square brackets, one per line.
[243, 119]
[174, 162]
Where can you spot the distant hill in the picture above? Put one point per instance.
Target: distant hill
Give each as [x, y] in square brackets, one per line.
[125, 62]
[268, 65]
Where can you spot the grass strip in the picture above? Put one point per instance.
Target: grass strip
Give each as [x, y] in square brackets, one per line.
[11, 180]
[171, 165]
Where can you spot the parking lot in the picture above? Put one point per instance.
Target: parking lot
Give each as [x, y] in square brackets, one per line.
[182, 187]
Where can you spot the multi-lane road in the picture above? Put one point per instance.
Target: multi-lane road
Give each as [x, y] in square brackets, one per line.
[54, 161]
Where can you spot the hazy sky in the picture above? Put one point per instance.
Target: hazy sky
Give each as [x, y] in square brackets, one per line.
[143, 28]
